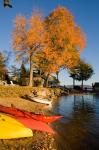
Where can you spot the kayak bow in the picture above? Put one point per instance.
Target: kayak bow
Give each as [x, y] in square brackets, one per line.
[21, 113]
[11, 128]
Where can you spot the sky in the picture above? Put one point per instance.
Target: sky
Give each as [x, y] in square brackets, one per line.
[86, 14]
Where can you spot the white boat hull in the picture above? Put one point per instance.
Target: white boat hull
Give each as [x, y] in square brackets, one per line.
[41, 100]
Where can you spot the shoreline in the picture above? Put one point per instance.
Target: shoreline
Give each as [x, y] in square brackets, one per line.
[40, 140]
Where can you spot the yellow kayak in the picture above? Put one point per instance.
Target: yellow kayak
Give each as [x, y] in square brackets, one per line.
[11, 128]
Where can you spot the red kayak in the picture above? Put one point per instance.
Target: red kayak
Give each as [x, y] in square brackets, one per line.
[35, 125]
[21, 113]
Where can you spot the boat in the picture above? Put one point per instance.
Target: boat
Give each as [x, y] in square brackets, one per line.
[21, 113]
[11, 128]
[35, 125]
[41, 100]
[46, 119]
[19, 127]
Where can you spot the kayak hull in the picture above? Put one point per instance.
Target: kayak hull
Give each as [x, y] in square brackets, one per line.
[20, 113]
[41, 100]
[11, 128]
[35, 125]
[46, 119]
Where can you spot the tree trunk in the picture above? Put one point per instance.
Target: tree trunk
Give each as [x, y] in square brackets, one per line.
[57, 73]
[40, 72]
[82, 84]
[73, 82]
[46, 82]
[31, 72]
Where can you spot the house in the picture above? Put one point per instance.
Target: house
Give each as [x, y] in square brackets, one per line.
[53, 81]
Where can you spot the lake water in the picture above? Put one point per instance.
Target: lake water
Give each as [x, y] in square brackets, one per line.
[79, 129]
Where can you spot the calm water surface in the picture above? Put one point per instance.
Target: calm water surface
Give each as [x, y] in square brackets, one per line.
[79, 129]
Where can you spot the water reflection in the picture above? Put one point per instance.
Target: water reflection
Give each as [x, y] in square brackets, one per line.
[79, 129]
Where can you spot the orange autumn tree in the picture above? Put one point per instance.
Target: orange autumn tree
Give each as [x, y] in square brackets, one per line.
[64, 39]
[27, 39]
[51, 44]
[45, 66]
